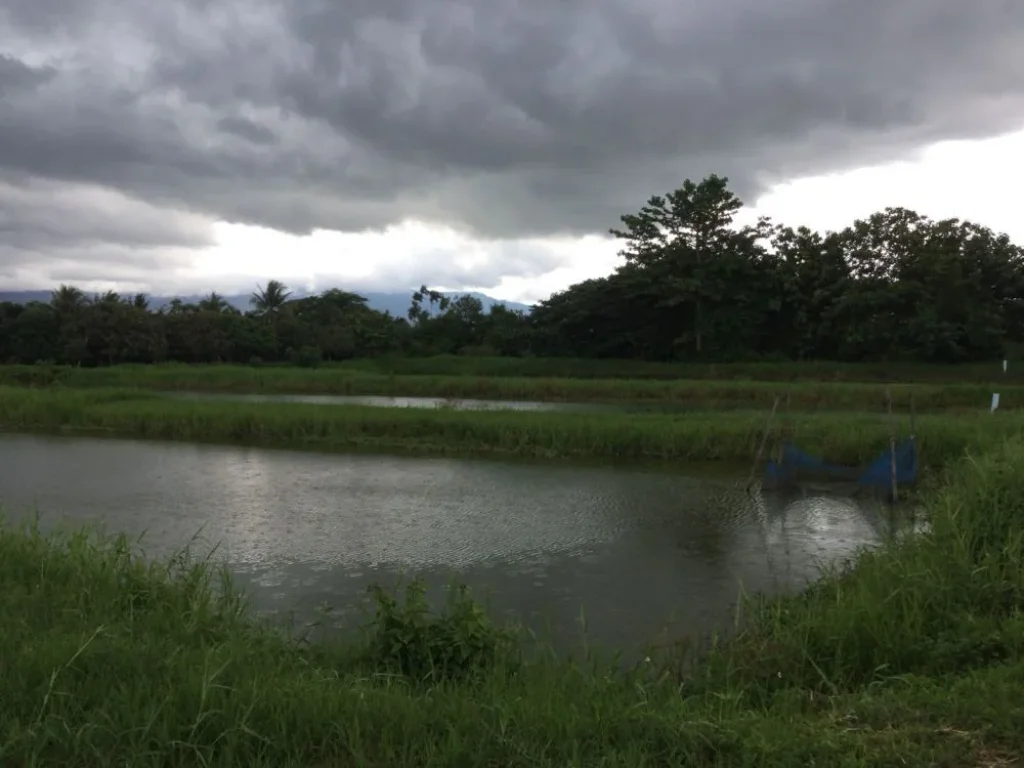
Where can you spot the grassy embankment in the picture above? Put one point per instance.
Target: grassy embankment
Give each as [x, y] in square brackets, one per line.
[695, 437]
[568, 368]
[698, 393]
[912, 659]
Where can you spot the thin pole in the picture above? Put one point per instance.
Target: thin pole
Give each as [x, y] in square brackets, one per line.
[913, 432]
[916, 446]
[787, 425]
[892, 445]
[764, 442]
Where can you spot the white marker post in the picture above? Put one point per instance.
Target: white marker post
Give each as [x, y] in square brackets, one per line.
[995, 395]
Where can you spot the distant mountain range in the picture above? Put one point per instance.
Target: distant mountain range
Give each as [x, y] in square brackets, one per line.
[397, 303]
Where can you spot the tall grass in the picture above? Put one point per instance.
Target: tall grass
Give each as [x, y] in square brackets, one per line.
[701, 393]
[694, 436]
[937, 604]
[913, 657]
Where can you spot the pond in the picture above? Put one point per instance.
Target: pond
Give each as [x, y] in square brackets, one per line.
[380, 401]
[645, 556]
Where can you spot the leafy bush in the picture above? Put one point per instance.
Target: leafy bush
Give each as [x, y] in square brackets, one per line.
[455, 643]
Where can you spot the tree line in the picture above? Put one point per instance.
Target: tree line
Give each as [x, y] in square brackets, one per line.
[694, 285]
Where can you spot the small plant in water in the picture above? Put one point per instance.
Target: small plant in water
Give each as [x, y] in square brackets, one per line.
[408, 638]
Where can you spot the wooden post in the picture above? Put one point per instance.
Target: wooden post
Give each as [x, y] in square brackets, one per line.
[764, 442]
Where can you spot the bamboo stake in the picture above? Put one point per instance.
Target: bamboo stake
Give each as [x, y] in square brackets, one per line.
[786, 430]
[764, 443]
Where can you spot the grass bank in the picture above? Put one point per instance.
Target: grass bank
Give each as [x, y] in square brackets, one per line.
[913, 658]
[695, 436]
[569, 368]
[697, 393]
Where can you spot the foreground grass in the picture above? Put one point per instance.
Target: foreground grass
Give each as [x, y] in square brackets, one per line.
[912, 658]
[699, 393]
[695, 436]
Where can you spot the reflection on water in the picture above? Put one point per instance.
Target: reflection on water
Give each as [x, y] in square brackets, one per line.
[450, 403]
[631, 549]
[456, 404]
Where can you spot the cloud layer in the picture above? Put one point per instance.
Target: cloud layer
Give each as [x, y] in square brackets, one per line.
[128, 127]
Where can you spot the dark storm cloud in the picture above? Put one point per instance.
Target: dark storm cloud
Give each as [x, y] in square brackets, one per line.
[52, 232]
[16, 75]
[59, 215]
[509, 119]
[247, 129]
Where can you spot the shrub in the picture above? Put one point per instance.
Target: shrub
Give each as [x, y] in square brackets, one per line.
[456, 643]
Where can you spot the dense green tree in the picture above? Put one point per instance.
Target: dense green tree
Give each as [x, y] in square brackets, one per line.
[693, 284]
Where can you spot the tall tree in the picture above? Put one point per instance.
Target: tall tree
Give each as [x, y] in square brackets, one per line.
[271, 298]
[687, 243]
[217, 304]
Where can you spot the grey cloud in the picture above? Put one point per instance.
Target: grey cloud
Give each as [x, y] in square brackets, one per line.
[66, 232]
[60, 215]
[16, 75]
[447, 267]
[436, 267]
[39, 269]
[247, 129]
[510, 119]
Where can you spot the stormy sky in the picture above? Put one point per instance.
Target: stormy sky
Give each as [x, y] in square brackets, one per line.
[131, 130]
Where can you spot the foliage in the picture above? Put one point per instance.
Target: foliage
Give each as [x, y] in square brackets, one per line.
[911, 657]
[693, 286]
[455, 644]
[333, 326]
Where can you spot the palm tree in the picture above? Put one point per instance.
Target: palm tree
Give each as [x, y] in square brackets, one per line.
[271, 298]
[68, 300]
[214, 303]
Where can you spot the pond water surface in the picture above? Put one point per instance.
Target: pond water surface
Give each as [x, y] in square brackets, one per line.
[380, 401]
[644, 555]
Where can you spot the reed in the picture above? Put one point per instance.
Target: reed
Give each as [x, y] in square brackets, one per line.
[912, 657]
[722, 394]
[695, 436]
